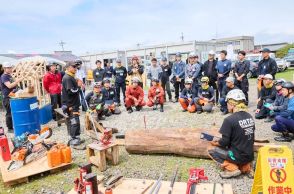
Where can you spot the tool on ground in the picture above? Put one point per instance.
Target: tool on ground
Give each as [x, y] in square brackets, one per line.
[195, 176]
[87, 182]
[173, 180]
[157, 188]
[157, 183]
[144, 191]
[90, 183]
[113, 181]
[4, 148]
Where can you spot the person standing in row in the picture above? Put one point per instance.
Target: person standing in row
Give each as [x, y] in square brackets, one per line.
[241, 70]
[192, 71]
[136, 70]
[209, 70]
[120, 74]
[8, 85]
[81, 77]
[108, 71]
[223, 68]
[165, 83]
[99, 72]
[52, 85]
[155, 71]
[178, 72]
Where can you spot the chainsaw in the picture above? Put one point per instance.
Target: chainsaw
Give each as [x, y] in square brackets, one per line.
[196, 175]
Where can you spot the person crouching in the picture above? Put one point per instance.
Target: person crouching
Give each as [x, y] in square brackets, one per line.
[205, 98]
[155, 95]
[95, 100]
[134, 96]
[187, 97]
[110, 98]
[234, 150]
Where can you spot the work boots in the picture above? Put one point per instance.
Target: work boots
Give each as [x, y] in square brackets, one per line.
[230, 174]
[130, 110]
[161, 108]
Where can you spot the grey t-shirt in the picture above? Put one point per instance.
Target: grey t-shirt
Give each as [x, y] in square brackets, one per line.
[154, 72]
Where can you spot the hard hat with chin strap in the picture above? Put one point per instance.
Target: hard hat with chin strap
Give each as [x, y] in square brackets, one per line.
[236, 94]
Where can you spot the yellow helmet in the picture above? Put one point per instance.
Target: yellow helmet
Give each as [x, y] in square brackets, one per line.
[204, 79]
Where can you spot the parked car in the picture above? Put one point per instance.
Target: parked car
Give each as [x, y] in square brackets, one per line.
[252, 70]
[282, 64]
[290, 60]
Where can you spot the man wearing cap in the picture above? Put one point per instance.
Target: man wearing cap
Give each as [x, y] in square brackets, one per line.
[205, 97]
[52, 85]
[165, 83]
[120, 74]
[267, 65]
[155, 71]
[155, 95]
[241, 70]
[266, 97]
[178, 72]
[136, 70]
[209, 70]
[108, 71]
[99, 72]
[223, 68]
[187, 97]
[134, 96]
[230, 85]
[96, 102]
[110, 98]
[71, 103]
[192, 70]
[81, 77]
[8, 85]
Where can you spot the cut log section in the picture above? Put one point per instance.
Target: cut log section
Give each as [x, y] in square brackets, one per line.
[184, 142]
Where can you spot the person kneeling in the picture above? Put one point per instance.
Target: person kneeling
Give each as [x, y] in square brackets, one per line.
[285, 119]
[234, 150]
[95, 101]
[187, 97]
[205, 99]
[155, 95]
[134, 96]
[110, 98]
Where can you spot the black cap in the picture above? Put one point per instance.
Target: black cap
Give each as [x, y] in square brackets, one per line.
[265, 50]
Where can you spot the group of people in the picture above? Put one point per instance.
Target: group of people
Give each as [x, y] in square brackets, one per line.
[198, 87]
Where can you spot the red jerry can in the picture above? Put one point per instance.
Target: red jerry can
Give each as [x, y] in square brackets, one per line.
[4, 148]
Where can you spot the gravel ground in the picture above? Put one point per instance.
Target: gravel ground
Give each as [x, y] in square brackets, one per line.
[148, 166]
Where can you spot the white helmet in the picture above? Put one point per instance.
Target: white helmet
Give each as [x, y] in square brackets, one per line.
[236, 94]
[7, 64]
[188, 81]
[211, 52]
[135, 80]
[192, 54]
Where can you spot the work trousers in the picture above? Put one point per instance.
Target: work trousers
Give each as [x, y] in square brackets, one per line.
[122, 87]
[283, 125]
[8, 117]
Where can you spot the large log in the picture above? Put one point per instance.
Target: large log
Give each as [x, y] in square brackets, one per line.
[184, 142]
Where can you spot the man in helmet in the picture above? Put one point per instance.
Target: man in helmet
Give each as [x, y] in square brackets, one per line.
[166, 72]
[96, 101]
[267, 96]
[234, 150]
[205, 98]
[52, 85]
[178, 72]
[209, 70]
[136, 70]
[99, 72]
[8, 85]
[230, 85]
[71, 103]
[155, 71]
[241, 69]
[81, 77]
[223, 68]
[280, 104]
[134, 96]
[192, 70]
[120, 74]
[110, 98]
[187, 97]
[285, 119]
[155, 95]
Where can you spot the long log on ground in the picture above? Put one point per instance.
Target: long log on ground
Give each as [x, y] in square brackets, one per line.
[184, 142]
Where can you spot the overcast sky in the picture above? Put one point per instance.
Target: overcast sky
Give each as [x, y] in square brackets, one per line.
[37, 26]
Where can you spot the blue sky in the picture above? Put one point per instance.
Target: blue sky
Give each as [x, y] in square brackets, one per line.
[34, 26]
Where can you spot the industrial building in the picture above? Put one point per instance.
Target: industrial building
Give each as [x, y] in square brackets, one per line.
[234, 44]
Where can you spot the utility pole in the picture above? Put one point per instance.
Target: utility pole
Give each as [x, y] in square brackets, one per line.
[182, 37]
[61, 44]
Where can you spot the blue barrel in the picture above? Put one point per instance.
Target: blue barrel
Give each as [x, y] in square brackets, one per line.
[45, 114]
[25, 115]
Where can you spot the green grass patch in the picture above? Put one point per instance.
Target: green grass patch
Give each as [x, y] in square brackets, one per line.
[287, 75]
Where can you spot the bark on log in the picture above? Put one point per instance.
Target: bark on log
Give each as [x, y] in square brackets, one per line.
[184, 142]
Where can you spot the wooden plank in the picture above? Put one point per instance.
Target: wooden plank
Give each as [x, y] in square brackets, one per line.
[21, 175]
[115, 155]
[136, 186]
[102, 160]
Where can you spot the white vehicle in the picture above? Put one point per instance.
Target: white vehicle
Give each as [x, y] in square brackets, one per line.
[258, 57]
[282, 64]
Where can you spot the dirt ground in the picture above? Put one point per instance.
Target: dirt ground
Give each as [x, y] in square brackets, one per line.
[148, 166]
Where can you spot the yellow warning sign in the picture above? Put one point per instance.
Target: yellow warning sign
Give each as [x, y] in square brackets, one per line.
[274, 172]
